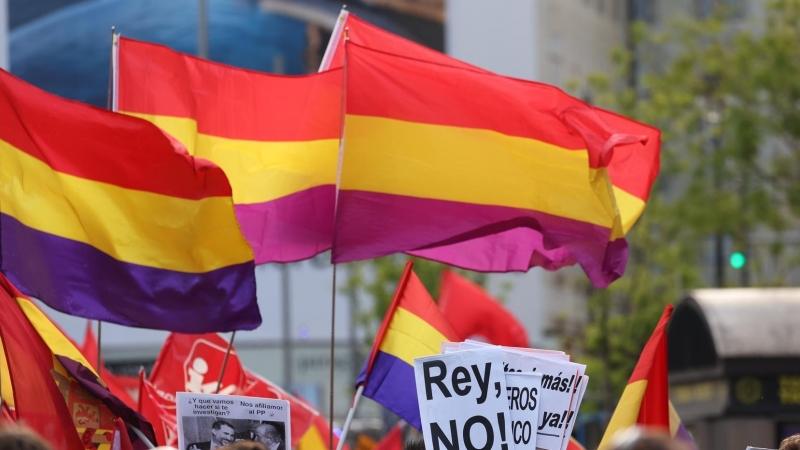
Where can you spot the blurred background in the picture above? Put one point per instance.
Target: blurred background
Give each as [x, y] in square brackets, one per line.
[718, 77]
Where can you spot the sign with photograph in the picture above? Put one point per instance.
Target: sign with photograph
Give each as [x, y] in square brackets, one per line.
[210, 421]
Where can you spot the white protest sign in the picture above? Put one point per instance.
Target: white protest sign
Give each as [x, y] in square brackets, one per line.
[577, 398]
[523, 405]
[561, 383]
[462, 401]
[448, 346]
[554, 354]
[209, 421]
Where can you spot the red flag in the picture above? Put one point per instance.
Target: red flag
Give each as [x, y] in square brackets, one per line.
[302, 414]
[471, 311]
[393, 439]
[159, 409]
[121, 440]
[39, 403]
[89, 347]
[192, 363]
[89, 351]
[6, 414]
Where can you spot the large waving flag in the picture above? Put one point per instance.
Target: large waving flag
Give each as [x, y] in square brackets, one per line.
[435, 156]
[633, 169]
[413, 327]
[645, 401]
[471, 311]
[103, 217]
[276, 138]
[55, 391]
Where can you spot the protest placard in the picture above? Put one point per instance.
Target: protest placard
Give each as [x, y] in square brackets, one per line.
[576, 404]
[523, 404]
[554, 354]
[209, 421]
[561, 391]
[463, 401]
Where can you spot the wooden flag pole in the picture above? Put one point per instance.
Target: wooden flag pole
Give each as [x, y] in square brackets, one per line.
[225, 362]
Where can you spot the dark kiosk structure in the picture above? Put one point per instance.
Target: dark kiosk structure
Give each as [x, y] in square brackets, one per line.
[734, 366]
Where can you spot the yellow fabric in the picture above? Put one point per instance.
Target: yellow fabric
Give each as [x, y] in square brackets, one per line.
[626, 413]
[258, 171]
[674, 420]
[474, 166]
[58, 343]
[312, 440]
[109, 218]
[410, 337]
[5, 379]
[630, 208]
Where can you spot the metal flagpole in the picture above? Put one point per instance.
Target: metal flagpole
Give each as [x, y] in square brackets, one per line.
[333, 43]
[142, 436]
[333, 328]
[110, 105]
[225, 362]
[99, 352]
[202, 28]
[350, 414]
[287, 334]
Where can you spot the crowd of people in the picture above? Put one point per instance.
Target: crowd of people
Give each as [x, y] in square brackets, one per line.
[20, 438]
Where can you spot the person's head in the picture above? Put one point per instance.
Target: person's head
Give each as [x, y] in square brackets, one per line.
[639, 439]
[17, 438]
[254, 423]
[222, 432]
[791, 443]
[268, 435]
[245, 445]
[414, 444]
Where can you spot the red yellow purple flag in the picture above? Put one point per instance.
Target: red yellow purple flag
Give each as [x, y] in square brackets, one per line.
[632, 170]
[645, 400]
[276, 137]
[435, 156]
[102, 216]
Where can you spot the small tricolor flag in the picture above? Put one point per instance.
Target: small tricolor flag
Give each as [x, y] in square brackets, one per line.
[103, 216]
[645, 400]
[276, 137]
[54, 390]
[413, 327]
[441, 161]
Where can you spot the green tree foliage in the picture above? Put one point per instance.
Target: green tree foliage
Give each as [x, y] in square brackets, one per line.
[726, 95]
